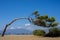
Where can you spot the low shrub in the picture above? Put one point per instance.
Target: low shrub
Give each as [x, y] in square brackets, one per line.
[53, 32]
[39, 32]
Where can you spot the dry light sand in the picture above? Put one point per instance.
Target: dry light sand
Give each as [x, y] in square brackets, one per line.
[27, 37]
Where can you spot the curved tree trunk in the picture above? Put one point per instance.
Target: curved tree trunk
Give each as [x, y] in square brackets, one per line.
[4, 30]
[12, 22]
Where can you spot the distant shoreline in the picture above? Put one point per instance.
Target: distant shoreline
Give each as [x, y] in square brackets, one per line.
[18, 35]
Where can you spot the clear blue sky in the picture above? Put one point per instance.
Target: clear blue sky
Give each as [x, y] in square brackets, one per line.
[10, 9]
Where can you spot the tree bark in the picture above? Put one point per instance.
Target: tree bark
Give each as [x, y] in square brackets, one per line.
[4, 30]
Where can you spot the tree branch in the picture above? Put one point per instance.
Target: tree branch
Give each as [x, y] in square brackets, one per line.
[7, 25]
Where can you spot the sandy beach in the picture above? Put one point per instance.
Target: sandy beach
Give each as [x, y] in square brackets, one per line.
[27, 37]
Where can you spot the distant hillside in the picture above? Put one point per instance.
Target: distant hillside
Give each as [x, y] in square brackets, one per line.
[18, 32]
[22, 31]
